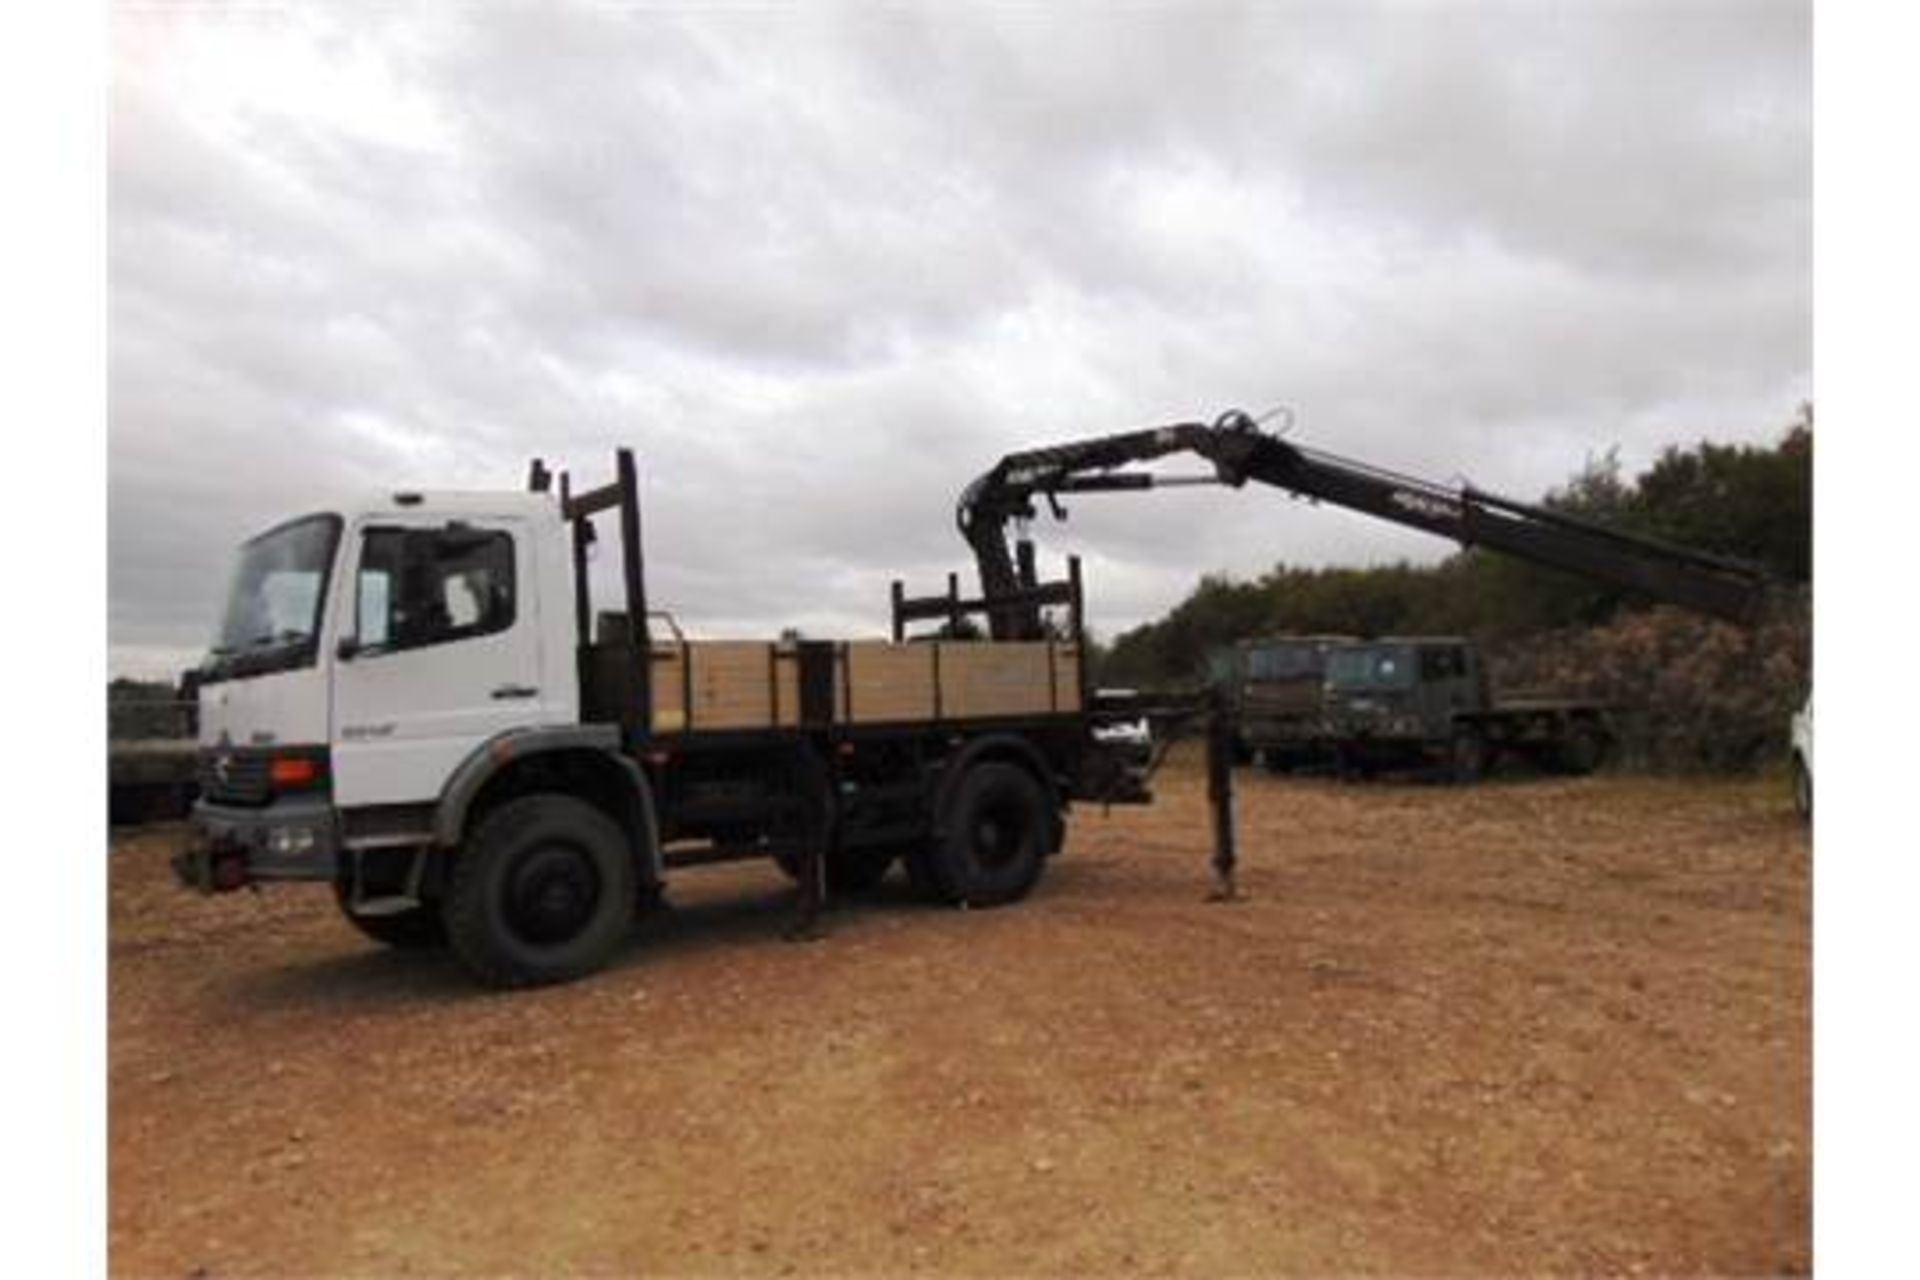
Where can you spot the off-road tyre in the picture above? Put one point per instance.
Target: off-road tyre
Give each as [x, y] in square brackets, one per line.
[1466, 755]
[995, 834]
[415, 929]
[1583, 750]
[543, 891]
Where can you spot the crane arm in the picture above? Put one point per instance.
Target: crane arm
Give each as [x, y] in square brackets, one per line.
[1239, 451]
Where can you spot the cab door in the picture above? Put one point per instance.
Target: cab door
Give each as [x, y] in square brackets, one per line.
[439, 650]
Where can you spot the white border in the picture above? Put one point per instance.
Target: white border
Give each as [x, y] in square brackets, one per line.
[52, 331]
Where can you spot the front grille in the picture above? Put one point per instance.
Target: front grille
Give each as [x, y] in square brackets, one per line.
[234, 775]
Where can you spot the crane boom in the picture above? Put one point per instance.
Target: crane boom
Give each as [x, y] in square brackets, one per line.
[1240, 451]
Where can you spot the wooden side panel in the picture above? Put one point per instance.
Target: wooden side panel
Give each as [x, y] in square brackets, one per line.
[995, 678]
[751, 684]
[883, 682]
[786, 670]
[669, 688]
[1066, 676]
[733, 683]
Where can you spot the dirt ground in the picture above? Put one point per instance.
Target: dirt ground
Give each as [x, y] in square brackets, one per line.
[1538, 1025]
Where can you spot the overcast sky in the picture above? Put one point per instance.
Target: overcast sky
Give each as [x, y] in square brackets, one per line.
[821, 269]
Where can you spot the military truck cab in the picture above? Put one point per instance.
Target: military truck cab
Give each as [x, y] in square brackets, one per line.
[1402, 702]
[1275, 690]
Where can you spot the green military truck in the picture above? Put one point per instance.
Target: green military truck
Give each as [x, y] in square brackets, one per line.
[1411, 701]
[1274, 690]
[151, 751]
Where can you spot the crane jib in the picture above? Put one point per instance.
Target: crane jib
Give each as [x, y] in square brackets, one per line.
[1240, 451]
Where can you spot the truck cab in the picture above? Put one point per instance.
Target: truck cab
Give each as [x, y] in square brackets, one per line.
[363, 657]
[1275, 688]
[1391, 701]
[1409, 700]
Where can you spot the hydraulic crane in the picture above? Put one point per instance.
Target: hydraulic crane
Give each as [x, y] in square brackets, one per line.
[1240, 451]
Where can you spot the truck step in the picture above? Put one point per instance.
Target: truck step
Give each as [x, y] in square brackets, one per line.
[389, 905]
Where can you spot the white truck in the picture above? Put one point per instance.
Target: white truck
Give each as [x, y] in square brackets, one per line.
[414, 702]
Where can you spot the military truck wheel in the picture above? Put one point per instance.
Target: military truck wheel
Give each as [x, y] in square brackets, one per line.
[1583, 750]
[995, 836]
[1467, 755]
[415, 929]
[1802, 788]
[542, 892]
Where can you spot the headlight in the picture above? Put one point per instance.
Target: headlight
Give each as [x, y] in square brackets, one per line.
[286, 842]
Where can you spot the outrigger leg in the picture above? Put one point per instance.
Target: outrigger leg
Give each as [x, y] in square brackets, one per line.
[819, 845]
[806, 926]
[1220, 800]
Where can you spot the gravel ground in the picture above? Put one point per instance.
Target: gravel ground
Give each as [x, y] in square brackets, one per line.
[1533, 1026]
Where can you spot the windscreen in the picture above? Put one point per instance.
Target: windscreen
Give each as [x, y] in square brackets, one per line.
[272, 617]
[1284, 662]
[1378, 668]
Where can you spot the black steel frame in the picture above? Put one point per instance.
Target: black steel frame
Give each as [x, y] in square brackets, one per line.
[635, 709]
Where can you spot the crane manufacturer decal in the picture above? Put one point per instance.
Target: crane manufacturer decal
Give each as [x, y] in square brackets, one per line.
[1425, 504]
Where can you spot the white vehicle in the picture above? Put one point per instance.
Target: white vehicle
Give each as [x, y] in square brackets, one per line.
[1802, 762]
[413, 701]
[1134, 735]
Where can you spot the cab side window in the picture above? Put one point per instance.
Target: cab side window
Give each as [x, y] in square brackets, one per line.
[421, 587]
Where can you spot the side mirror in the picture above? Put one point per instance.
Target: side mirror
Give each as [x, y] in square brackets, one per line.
[348, 649]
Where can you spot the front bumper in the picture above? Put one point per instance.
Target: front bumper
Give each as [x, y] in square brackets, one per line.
[230, 847]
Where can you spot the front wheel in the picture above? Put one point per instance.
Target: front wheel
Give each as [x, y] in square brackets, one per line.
[1467, 755]
[1583, 751]
[543, 892]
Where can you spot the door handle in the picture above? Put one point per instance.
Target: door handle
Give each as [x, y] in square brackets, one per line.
[506, 691]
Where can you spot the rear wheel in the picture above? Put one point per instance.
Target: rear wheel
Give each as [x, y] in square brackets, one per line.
[995, 836]
[1583, 750]
[1467, 755]
[413, 929]
[542, 892]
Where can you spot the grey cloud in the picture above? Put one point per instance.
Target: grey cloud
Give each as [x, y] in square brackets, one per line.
[823, 266]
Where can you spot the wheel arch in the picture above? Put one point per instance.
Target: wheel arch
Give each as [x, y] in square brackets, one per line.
[579, 760]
